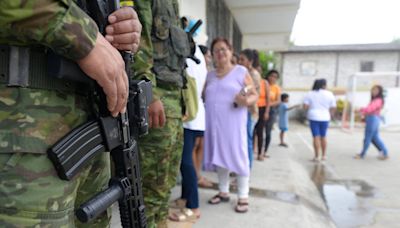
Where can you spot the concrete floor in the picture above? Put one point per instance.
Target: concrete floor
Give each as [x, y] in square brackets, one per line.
[283, 193]
[379, 209]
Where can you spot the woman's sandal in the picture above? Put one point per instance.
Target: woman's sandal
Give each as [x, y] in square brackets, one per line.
[242, 207]
[218, 199]
[383, 157]
[358, 157]
[184, 215]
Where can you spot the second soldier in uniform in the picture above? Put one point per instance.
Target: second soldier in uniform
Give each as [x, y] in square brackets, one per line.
[161, 59]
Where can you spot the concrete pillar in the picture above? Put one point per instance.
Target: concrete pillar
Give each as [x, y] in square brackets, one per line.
[220, 22]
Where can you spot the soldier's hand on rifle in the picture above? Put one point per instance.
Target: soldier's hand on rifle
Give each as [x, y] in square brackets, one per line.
[156, 114]
[124, 29]
[105, 65]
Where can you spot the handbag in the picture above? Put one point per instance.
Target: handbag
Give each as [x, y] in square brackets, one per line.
[190, 100]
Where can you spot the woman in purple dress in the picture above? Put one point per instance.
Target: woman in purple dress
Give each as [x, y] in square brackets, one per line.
[229, 90]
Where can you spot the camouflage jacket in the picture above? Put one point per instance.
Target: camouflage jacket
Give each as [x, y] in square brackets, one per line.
[32, 119]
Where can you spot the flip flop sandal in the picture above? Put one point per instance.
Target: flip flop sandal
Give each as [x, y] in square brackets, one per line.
[218, 199]
[184, 215]
[383, 157]
[244, 209]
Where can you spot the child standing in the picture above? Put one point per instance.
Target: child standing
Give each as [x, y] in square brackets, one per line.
[284, 117]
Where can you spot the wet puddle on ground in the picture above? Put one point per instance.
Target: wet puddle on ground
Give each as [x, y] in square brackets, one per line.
[287, 197]
[347, 200]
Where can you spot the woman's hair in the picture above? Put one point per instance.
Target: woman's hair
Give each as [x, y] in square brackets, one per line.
[235, 58]
[220, 39]
[252, 56]
[256, 60]
[270, 72]
[319, 84]
[380, 93]
[203, 49]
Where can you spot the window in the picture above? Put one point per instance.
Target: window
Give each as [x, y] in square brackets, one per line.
[367, 66]
[308, 68]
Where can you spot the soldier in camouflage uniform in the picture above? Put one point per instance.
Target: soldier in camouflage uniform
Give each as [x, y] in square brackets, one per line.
[34, 117]
[161, 58]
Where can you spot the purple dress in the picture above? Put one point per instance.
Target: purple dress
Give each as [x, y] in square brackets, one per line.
[225, 139]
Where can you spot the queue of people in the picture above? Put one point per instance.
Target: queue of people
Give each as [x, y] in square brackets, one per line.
[235, 111]
[238, 109]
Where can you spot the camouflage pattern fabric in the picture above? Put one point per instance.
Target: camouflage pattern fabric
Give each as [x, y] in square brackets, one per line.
[58, 24]
[33, 119]
[32, 195]
[161, 149]
[161, 152]
[143, 58]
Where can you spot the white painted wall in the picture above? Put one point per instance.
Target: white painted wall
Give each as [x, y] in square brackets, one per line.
[197, 10]
[348, 64]
[292, 76]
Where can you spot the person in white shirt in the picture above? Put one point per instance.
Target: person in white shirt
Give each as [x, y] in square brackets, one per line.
[320, 105]
[193, 141]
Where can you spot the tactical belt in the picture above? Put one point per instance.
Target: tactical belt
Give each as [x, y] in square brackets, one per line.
[28, 67]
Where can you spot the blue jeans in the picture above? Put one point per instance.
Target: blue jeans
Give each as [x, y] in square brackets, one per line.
[188, 171]
[251, 123]
[372, 135]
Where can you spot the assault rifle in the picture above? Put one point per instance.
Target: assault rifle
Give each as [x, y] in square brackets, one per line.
[105, 133]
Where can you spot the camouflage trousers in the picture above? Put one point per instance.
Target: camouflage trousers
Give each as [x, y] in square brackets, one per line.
[161, 152]
[32, 195]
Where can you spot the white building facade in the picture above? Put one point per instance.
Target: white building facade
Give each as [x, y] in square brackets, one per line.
[336, 63]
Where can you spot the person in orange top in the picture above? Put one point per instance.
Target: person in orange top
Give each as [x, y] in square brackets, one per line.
[273, 104]
[263, 115]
